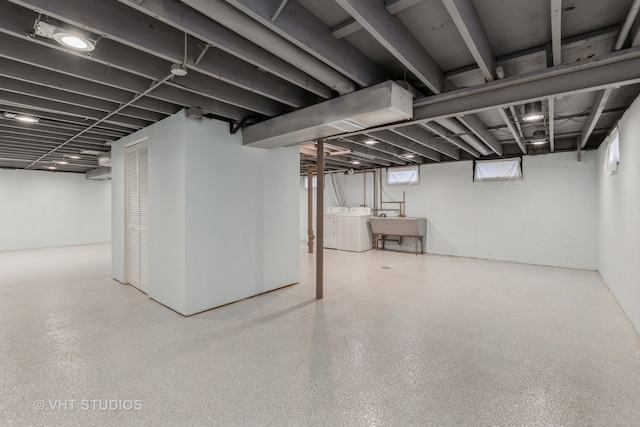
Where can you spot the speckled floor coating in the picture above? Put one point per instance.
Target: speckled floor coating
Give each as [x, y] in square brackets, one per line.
[398, 340]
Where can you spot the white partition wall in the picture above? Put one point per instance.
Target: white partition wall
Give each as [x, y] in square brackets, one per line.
[223, 218]
[41, 209]
[620, 217]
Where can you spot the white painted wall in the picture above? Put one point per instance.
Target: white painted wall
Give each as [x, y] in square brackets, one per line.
[41, 209]
[620, 217]
[549, 218]
[223, 217]
[242, 217]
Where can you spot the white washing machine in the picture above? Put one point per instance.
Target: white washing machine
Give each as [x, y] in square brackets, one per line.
[353, 230]
[330, 228]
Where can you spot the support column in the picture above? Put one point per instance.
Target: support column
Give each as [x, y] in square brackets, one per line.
[320, 219]
[310, 235]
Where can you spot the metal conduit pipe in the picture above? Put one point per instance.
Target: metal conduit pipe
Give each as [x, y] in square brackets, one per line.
[516, 120]
[626, 27]
[227, 15]
[465, 134]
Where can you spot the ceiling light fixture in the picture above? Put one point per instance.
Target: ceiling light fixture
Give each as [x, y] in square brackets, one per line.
[533, 111]
[539, 138]
[61, 162]
[52, 168]
[72, 156]
[27, 119]
[408, 155]
[355, 162]
[74, 41]
[370, 141]
[178, 70]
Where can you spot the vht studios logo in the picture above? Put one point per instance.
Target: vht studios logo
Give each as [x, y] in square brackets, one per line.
[88, 405]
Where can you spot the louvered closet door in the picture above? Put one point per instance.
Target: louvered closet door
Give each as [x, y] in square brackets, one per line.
[138, 217]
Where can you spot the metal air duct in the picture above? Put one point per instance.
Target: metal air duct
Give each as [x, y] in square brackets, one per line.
[374, 106]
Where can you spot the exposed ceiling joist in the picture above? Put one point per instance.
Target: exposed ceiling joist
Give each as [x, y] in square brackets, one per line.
[599, 101]
[423, 137]
[389, 31]
[512, 129]
[300, 27]
[447, 135]
[406, 144]
[186, 19]
[351, 26]
[366, 150]
[481, 132]
[121, 26]
[467, 21]
[392, 151]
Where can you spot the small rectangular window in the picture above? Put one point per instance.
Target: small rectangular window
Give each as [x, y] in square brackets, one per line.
[314, 180]
[403, 176]
[612, 158]
[498, 170]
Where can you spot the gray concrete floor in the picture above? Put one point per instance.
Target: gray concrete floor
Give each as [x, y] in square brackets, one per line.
[398, 340]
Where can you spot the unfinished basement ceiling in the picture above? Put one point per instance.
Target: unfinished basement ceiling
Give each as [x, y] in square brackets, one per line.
[471, 65]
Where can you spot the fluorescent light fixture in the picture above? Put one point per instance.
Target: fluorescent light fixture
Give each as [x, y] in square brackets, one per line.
[74, 41]
[370, 141]
[533, 111]
[355, 162]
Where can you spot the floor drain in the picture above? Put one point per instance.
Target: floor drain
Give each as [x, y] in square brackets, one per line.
[385, 267]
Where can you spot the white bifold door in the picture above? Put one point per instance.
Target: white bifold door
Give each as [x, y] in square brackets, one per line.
[137, 217]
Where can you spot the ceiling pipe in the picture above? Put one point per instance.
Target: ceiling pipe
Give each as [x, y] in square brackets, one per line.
[230, 17]
[465, 134]
[624, 32]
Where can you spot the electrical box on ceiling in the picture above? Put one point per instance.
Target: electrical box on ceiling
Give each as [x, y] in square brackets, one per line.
[377, 105]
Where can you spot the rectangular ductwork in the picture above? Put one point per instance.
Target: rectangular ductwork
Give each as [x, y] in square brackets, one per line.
[99, 173]
[377, 105]
[104, 159]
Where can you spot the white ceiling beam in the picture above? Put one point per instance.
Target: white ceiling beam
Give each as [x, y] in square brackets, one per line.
[389, 31]
[628, 22]
[350, 26]
[422, 136]
[479, 129]
[447, 135]
[606, 71]
[186, 19]
[599, 102]
[302, 28]
[466, 19]
[512, 129]
[397, 6]
[556, 31]
[396, 140]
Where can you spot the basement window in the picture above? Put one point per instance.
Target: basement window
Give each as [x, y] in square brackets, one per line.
[314, 181]
[498, 170]
[403, 176]
[612, 158]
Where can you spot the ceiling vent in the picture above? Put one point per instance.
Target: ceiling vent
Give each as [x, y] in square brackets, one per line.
[377, 105]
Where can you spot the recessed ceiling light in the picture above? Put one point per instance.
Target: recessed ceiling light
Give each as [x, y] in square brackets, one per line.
[370, 141]
[74, 41]
[533, 111]
[539, 137]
